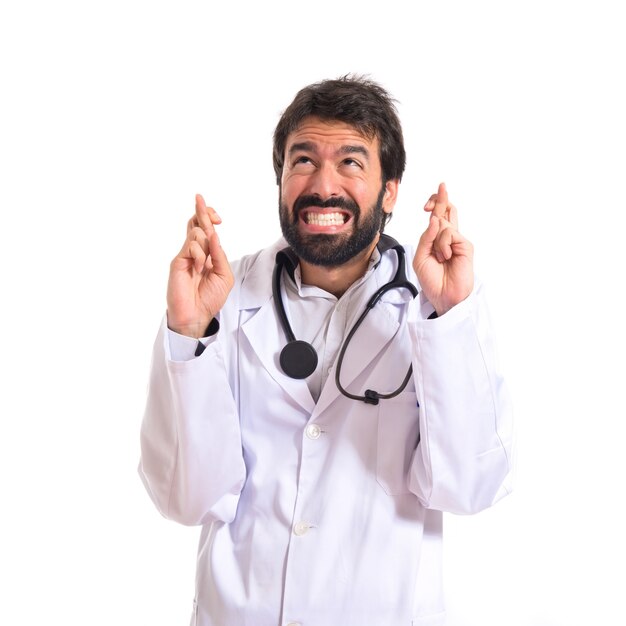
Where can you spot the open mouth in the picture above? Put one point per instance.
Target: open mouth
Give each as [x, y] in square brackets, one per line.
[326, 218]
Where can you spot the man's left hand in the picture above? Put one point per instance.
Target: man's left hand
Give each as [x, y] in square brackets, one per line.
[444, 258]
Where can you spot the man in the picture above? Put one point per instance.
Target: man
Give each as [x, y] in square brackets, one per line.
[320, 489]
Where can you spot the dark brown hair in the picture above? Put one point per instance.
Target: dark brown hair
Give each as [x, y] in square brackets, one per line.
[354, 100]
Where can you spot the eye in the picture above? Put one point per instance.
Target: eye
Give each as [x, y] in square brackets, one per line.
[301, 159]
[352, 162]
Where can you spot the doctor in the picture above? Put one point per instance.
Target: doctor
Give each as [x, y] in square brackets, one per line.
[318, 508]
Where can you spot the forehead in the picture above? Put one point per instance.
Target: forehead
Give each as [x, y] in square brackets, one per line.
[330, 132]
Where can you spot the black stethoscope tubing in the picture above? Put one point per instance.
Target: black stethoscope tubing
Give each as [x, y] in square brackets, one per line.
[298, 359]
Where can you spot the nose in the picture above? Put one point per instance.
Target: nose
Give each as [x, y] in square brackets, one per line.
[325, 182]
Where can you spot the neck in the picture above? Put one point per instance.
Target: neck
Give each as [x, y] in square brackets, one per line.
[337, 280]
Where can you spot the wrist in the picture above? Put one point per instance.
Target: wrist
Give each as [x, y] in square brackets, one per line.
[195, 330]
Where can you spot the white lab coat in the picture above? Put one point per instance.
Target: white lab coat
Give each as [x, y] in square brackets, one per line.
[326, 513]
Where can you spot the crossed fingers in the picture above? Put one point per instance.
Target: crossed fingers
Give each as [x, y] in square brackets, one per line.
[439, 206]
[200, 231]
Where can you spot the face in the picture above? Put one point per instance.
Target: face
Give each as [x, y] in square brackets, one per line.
[332, 198]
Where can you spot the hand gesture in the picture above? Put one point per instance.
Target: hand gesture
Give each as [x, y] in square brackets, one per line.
[443, 260]
[200, 276]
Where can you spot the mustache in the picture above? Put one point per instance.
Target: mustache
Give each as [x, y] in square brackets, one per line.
[335, 202]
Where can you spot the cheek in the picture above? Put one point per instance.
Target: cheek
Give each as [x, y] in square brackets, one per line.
[363, 194]
[291, 188]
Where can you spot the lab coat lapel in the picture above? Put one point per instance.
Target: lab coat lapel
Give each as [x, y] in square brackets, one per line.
[376, 331]
[263, 331]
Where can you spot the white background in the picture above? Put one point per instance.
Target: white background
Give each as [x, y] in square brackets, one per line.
[114, 114]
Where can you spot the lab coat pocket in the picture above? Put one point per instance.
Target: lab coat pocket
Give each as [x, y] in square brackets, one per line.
[194, 614]
[437, 619]
[398, 435]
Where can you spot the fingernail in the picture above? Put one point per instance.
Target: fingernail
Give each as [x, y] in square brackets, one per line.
[430, 204]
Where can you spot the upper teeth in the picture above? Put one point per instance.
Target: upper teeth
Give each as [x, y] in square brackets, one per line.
[324, 219]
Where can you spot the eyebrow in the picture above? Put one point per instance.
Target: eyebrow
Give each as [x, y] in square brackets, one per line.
[303, 146]
[355, 150]
[308, 146]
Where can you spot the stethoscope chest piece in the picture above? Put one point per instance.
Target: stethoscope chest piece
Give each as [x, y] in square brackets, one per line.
[298, 359]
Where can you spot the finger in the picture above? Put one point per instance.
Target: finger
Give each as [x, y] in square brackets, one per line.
[197, 255]
[215, 218]
[192, 223]
[430, 204]
[202, 215]
[429, 235]
[206, 216]
[441, 201]
[449, 242]
[443, 245]
[453, 216]
[425, 244]
[221, 266]
[197, 234]
[450, 219]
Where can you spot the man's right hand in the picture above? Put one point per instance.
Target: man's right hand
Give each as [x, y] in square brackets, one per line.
[200, 276]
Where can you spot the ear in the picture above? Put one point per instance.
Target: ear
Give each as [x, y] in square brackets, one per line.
[391, 194]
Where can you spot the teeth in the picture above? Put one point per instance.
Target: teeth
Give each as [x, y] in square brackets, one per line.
[324, 219]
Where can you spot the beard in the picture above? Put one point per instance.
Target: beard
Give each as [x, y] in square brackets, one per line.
[336, 249]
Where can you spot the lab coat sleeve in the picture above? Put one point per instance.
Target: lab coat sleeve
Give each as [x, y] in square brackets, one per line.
[463, 461]
[191, 455]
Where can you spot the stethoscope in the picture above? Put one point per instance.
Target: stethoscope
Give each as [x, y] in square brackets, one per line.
[298, 359]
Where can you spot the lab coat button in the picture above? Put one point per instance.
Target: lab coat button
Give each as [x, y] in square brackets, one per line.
[313, 431]
[293, 624]
[301, 528]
